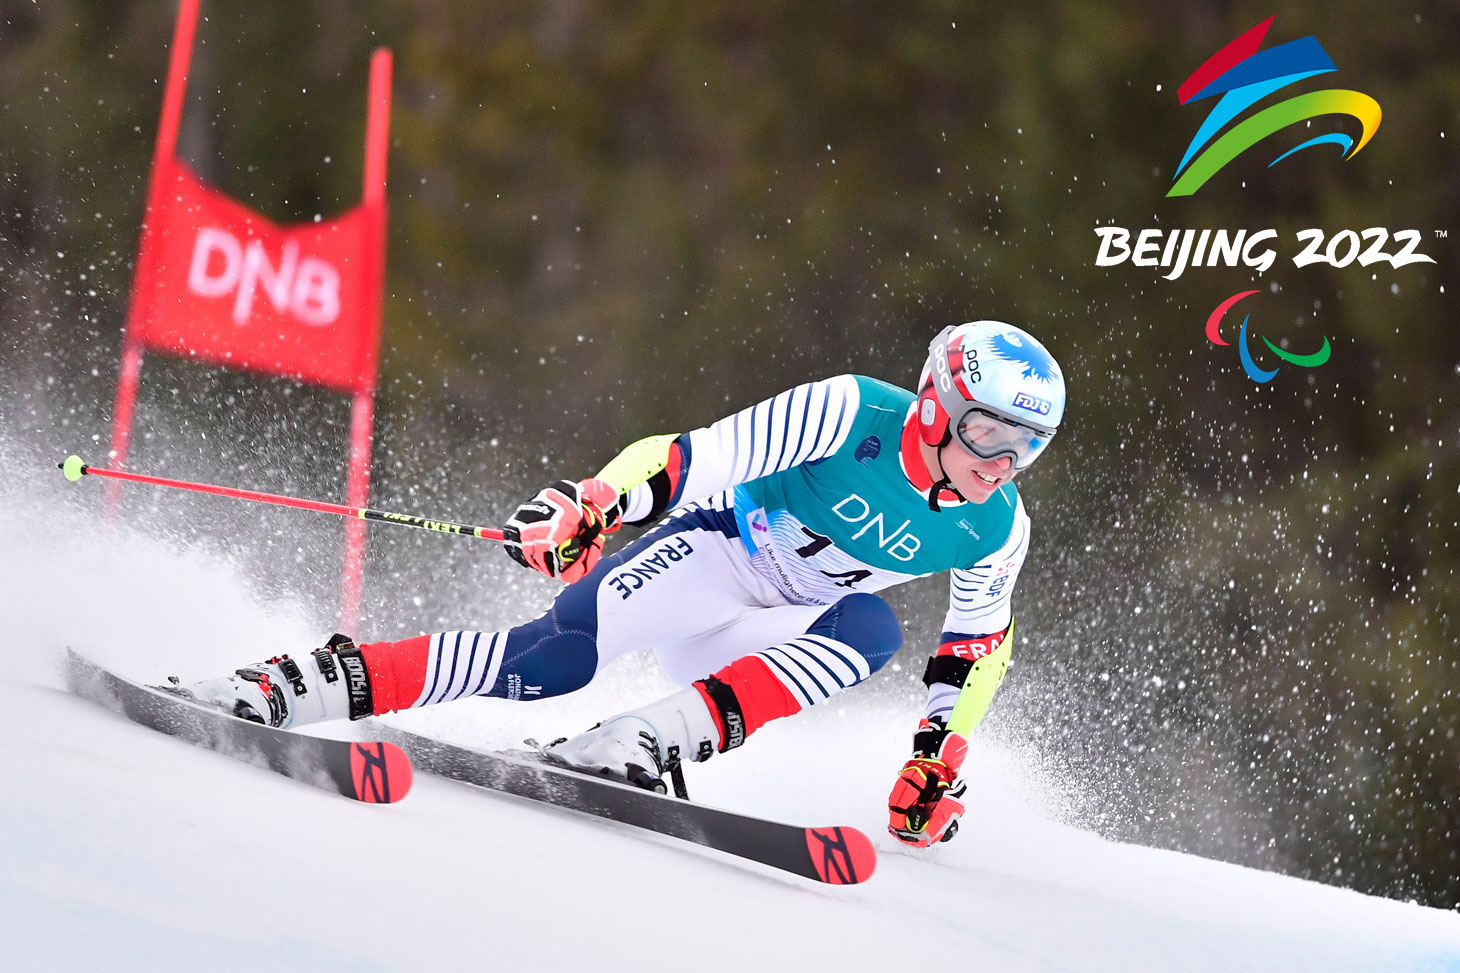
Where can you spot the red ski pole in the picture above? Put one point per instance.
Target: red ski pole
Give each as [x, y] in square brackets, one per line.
[75, 469]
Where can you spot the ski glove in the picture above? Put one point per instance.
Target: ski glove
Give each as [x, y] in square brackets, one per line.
[924, 806]
[560, 531]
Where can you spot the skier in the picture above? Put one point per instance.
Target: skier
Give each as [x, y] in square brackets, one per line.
[756, 589]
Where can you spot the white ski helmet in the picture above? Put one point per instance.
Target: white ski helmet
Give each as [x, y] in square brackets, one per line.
[993, 389]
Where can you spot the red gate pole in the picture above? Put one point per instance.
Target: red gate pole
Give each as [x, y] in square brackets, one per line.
[166, 146]
[362, 414]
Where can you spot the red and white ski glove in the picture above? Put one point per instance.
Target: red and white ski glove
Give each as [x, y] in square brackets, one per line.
[924, 805]
[560, 531]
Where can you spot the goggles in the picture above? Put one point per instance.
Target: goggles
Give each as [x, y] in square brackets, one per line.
[989, 434]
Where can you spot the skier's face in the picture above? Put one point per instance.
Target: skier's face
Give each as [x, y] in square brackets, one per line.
[976, 479]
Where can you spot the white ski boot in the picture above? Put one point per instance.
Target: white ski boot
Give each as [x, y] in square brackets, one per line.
[332, 683]
[643, 745]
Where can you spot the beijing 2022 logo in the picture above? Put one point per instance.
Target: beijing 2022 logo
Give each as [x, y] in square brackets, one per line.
[1242, 75]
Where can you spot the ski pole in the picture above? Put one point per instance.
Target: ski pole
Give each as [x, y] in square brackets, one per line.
[75, 469]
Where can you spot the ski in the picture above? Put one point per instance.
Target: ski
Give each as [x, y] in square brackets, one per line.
[372, 772]
[836, 856]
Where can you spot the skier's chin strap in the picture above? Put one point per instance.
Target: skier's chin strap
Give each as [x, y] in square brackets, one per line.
[944, 483]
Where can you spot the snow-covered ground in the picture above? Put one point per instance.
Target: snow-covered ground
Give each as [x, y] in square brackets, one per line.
[123, 849]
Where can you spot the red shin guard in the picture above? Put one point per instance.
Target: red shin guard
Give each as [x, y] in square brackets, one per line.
[397, 671]
[743, 697]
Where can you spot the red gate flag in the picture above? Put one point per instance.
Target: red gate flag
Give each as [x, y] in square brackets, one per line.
[218, 282]
[227, 286]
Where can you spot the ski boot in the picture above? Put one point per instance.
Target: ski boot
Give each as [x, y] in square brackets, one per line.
[643, 746]
[331, 684]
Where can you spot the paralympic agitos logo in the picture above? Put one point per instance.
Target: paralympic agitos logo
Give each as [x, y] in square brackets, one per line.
[1243, 75]
[1244, 350]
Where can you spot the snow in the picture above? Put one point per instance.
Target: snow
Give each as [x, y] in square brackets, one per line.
[128, 850]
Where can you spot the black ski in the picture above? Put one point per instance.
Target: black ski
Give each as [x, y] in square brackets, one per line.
[837, 856]
[373, 772]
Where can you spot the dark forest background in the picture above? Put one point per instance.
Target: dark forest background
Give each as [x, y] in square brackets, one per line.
[616, 219]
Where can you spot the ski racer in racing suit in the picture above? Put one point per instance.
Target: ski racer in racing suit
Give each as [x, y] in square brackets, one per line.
[773, 528]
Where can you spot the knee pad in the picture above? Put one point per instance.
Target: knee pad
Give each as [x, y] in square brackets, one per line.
[866, 623]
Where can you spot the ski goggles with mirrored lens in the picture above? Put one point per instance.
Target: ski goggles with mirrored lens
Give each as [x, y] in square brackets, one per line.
[989, 434]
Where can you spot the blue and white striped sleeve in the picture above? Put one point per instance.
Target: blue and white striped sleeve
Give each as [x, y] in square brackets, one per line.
[806, 423]
[980, 598]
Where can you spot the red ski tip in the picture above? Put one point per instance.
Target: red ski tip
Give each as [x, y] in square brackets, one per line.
[841, 856]
[381, 771]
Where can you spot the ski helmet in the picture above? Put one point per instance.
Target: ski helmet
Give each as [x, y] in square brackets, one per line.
[993, 389]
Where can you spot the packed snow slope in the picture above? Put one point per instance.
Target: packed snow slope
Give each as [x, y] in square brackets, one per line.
[123, 849]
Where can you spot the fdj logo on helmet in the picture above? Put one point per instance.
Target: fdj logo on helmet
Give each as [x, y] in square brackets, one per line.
[1032, 402]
